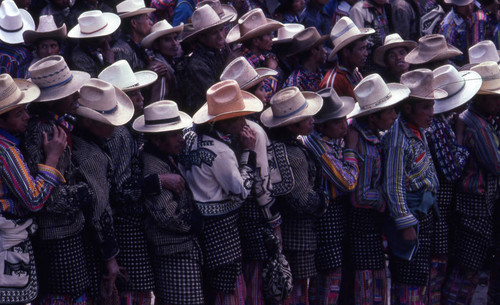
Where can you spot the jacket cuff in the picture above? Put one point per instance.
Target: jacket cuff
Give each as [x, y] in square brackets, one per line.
[404, 222]
[151, 185]
[51, 175]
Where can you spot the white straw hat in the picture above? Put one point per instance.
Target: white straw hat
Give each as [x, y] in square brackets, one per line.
[95, 24]
[430, 48]
[159, 29]
[14, 22]
[120, 74]
[130, 8]
[344, 32]
[14, 92]
[244, 74]
[392, 41]
[47, 29]
[203, 19]
[490, 74]
[286, 33]
[480, 52]
[421, 85]
[252, 24]
[162, 116]
[221, 9]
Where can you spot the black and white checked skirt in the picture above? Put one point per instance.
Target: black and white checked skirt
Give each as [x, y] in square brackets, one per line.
[442, 231]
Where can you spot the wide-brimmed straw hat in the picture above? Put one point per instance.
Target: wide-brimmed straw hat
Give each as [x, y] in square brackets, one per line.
[95, 24]
[14, 92]
[391, 41]
[203, 19]
[105, 103]
[244, 74]
[159, 29]
[459, 2]
[373, 94]
[490, 74]
[430, 48]
[334, 106]
[306, 40]
[162, 116]
[253, 24]
[480, 52]
[54, 78]
[47, 29]
[289, 106]
[226, 100]
[286, 33]
[344, 32]
[120, 74]
[14, 22]
[130, 8]
[221, 9]
[421, 85]
[460, 86]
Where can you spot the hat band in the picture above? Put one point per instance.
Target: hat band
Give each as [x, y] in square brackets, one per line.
[91, 32]
[110, 111]
[380, 101]
[293, 112]
[134, 85]
[64, 82]
[456, 92]
[8, 91]
[163, 121]
[347, 28]
[491, 77]
[11, 31]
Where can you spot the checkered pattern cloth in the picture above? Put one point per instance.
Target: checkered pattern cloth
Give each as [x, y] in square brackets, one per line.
[331, 234]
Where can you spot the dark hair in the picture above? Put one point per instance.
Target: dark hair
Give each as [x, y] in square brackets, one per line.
[5, 116]
[350, 47]
[126, 25]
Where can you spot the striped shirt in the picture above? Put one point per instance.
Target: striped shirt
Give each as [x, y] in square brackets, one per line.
[342, 80]
[14, 60]
[20, 193]
[368, 193]
[483, 143]
[408, 169]
[270, 83]
[304, 79]
[339, 166]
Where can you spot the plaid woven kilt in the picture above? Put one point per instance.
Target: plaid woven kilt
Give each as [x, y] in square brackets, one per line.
[252, 225]
[61, 265]
[442, 231]
[416, 272]
[134, 252]
[330, 235]
[365, 236]
[178, 278]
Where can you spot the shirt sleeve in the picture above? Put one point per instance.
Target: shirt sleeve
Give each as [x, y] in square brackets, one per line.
[487, 150]
[367, 195]
[341, 173]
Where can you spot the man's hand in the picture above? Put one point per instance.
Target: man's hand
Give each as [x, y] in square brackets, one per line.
[409, 234]
[247, 138]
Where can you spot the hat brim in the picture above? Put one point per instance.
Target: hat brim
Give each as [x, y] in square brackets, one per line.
[147, 42]
[141, 11]
[364, 32]
[471, 87]
[144, 79]
[123, 113]
[30, 37]
[252, 105]
[140, 124]
[296, 51]
[79, 79]
[193, 33]
[468, 66]
[234, 35]
[262, 74]
[399, 93]
[230, 11]
[348, 106]
[314, 104]
[379, 54]
[415, 58]
[436, 94]
[114, 22]
[30, 93]
[17, 36]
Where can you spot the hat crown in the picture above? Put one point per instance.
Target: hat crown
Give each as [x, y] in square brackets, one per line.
[224, 97]
[289, 30]
[447, 78]
[431, 44]
[46, 24]
[331, 102]
[392, 38]
[239, 70]
[483, 51]
[251, 20]
[128, 6]
[204, 17]
[307, 36]
[215, 4]
[10, 16]
[161, 111]
[50, 72]
[92, 21]
[287, 102]
[98, 95]
[488, 70]
[160, 26]
[420, 82]
[119, 74]
[371, 92]
[10, 93]
[344, 28]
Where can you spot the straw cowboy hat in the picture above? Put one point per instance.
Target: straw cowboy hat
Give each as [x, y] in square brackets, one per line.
[55, 80]
[244, 74]
[120, 74]
[253, 24]
[344, 32]
[459, 2]
[286, 33]
[226, 100]
[95, 24]
[203, 19]
[289, 106]
[421, 85]
[373, 94]
[431, 47]
[130, 8]
[105, 103]
[162, 116]
[47, 29]
[306, 40]
[14, 22]
[159, 29]
[14, 92]
[480, 52]
[221, 9]
[460, 86]
[490, 74]
[334, 106]
[391, 41]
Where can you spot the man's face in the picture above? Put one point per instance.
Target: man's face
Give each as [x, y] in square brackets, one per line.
[17, 120]
[421, 112]
[334, 128]
[395, 60]
[214, 38]
[47, 47]
[169, 45]
[298, 6]
[303, 128]
[143, 25]
[465, 11]
[67, 105]
[489, 104]
[171, 142]
[232, 126]
[385, 118]
[138, 101]
[357, 57]
[320, 54]
[264, 42]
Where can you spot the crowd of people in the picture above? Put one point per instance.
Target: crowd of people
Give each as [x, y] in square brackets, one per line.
[249, 152]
